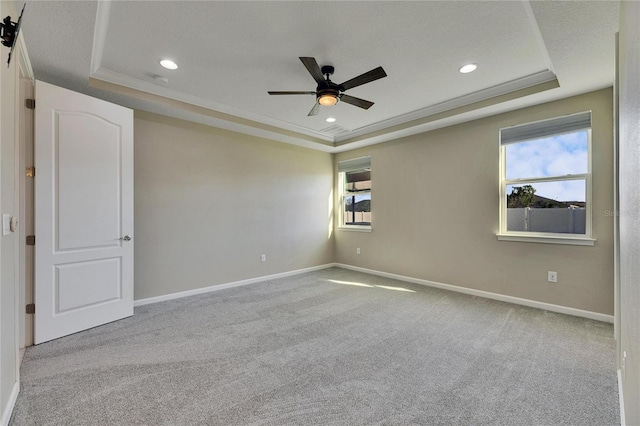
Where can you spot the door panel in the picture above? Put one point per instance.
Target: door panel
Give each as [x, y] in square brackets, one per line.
[87, 171]
[83, 284]
[83, 209]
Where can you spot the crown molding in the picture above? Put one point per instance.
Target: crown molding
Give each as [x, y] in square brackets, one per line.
[512, 86]
[535, 28]
[454, 111]
[212, 118]
[100, 34]
[137, 85]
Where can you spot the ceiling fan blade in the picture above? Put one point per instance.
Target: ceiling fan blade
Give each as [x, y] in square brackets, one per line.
[290, 93]
[314, 69]
[367, 77]
[356, 101]
[314, 110]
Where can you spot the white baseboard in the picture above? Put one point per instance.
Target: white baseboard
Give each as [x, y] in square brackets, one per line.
[622, 420]
[488, 295]
[480, 293]
[212, 288]
[8, 409]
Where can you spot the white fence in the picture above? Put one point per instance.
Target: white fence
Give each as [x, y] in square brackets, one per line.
[566, 221]
[360, 217]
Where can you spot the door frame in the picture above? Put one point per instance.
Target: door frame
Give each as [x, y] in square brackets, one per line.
[24, 198]
[617, 330]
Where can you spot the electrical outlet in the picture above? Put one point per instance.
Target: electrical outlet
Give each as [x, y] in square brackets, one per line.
[552, 276]
[263, 258]
[358, 250]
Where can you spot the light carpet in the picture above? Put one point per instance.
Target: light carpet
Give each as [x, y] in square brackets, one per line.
[332, 347]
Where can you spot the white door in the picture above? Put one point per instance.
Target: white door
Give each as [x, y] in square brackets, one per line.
[83, 212]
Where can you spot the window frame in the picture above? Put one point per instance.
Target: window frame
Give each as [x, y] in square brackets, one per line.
[547, 237]
[360, 163]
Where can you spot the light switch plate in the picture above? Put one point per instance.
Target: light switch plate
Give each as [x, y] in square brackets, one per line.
[6, 224]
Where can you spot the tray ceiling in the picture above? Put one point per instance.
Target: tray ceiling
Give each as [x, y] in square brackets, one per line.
[231, 53]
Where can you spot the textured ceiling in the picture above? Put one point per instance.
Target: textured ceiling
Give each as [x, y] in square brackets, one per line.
[231, 53]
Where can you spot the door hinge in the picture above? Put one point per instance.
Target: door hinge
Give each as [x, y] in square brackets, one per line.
[31, 172]
[31, 240]
[30, 103]
[31, 308]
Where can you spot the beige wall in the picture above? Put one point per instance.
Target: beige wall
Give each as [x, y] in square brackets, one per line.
[8, 293]
[434, 176]
[209, 202]
[629, 196]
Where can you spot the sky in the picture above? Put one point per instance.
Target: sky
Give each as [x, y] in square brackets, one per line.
[557, 155]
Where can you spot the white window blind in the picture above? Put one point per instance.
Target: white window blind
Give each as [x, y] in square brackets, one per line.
[354, 164]
[541, 129]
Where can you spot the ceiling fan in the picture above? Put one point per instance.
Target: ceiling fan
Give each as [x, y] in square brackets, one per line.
[329, 93]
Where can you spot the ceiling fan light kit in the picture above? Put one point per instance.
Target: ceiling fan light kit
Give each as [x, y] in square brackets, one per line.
[329, 93]
[328, 99]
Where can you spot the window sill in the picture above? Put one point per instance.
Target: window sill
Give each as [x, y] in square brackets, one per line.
[547, 239]
[354, 228]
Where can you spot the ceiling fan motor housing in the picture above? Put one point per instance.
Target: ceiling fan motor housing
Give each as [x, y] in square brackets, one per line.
[327, 88]
[327, 69]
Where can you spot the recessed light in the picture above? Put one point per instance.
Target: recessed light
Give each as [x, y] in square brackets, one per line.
[468, 68]
[168, 64]
[330, 120]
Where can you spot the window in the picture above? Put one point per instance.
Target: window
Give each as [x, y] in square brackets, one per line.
[546, 181]
[354, 178]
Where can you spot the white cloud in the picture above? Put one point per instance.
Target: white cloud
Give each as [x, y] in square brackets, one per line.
[553, 156]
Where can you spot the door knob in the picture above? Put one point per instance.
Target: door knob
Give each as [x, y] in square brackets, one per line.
[126, 238]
